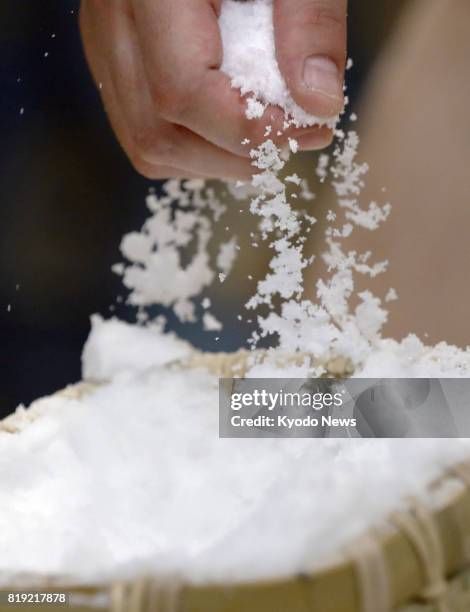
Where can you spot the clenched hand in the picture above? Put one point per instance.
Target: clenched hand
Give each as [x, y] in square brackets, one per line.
[157, 65]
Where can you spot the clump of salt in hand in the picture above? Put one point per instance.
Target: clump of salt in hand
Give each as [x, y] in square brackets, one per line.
[250, 61]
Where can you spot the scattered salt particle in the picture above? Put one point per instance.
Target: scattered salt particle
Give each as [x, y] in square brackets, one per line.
[293, 178]
[118, 268]
[9, 308]
[293, 145]
[267, 131]
[22, 110]
[210, 323]
[306, 193]
[222, 277]
[340, 134]
[184, 310]
[17, 286]
[254, 109]
[330, 216]
[391, 295]
[349, 64]
[250, 277]
[322, 166]
[206, 303]
[353, 117]
[53, 35]
[46, 54]
[227, 255]
[142, 317]
[347, 230]
[246, 141]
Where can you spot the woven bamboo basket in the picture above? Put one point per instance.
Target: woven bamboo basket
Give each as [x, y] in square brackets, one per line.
[416, 561]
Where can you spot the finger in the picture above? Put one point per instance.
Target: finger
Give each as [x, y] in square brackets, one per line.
[220, 112]
[315, 142]
[98, 66]
[149, 141]
[182, 54]
[311, 51]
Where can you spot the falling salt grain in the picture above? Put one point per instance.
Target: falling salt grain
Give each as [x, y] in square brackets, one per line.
[293, 145]
[210, 323]
[293, 178]
[118, 269]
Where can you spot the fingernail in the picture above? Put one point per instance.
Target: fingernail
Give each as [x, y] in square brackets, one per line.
[321, 74]
[314, 141]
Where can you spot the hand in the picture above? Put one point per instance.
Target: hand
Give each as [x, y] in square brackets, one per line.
[156, 63]
[311, 37]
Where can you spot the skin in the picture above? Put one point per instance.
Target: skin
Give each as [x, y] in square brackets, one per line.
[157, 66]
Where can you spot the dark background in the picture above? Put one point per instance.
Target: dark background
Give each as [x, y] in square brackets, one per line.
[68, 193]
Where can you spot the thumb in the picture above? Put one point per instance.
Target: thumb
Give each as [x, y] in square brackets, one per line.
[311, 52]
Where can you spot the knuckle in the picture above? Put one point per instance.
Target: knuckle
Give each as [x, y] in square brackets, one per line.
[145, 169]
[157, 146]
[323, 15]
[169, 102]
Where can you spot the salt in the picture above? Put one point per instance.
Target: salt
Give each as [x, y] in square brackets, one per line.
[132, 479]
[250, 60]
[210, 323]
[104, 357]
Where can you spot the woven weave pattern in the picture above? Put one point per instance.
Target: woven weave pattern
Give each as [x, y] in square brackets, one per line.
[457, 599]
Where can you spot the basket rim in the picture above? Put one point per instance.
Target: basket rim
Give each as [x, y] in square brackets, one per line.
[339, 572]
